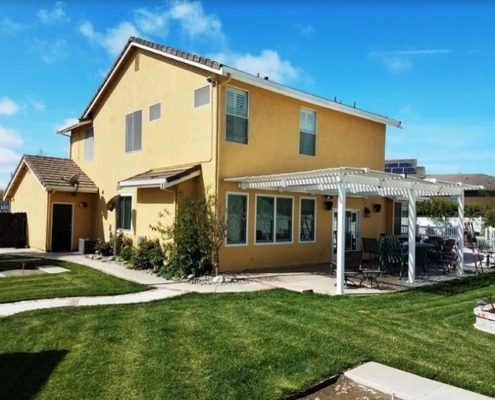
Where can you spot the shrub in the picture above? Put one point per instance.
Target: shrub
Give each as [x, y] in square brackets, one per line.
[105, 248]
[149, 255]
[128, 254]
[122, 242]
[194, 237]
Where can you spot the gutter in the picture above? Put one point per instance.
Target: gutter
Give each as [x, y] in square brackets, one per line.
[306, 97]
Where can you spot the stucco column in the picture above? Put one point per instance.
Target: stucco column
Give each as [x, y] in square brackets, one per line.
[412, 235]
[460, 233]
[341, 238]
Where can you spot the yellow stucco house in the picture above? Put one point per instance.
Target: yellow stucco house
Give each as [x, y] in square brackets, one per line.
[165, 121]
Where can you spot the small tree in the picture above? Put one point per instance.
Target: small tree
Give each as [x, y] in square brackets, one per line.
[194, 238]
[217, 224]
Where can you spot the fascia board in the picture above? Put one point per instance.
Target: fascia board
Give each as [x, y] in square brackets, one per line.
[306, 97]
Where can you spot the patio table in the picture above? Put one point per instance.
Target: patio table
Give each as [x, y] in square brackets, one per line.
[371, 276]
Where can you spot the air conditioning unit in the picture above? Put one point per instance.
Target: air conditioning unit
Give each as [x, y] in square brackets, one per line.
[87, 245]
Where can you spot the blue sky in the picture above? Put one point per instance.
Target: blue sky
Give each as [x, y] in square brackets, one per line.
[428, 64]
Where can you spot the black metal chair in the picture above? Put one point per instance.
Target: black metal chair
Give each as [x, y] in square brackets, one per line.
[370, 246]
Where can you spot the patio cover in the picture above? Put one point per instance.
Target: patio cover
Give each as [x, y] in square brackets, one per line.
[363, 182]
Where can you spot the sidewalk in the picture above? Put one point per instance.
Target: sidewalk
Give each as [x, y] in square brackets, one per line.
[407, 386]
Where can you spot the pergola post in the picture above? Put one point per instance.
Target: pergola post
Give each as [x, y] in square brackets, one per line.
[341, 237]
[412, 235]
[460, 233]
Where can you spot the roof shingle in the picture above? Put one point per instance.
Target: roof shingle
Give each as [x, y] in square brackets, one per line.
[54, 171]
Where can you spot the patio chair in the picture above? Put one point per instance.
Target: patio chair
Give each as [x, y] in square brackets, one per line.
[352, 267]
[421, 265]
[445, 257]
[370, 246]
[484, 253]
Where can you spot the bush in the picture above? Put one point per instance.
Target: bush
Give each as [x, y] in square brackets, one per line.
[149, 255]
[105, 248]
[122, 242]
[188, 247]
[128, 254]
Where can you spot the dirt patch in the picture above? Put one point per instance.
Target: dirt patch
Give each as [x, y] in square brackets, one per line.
[346, 389]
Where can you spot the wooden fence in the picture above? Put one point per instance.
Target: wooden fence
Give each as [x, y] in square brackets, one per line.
[13, 230]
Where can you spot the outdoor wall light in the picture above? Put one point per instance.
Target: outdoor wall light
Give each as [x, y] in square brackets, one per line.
[377, 207]
[83, 204]
[367, 212]
[328, 203]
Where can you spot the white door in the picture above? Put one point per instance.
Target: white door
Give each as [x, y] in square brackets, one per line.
[351, 234]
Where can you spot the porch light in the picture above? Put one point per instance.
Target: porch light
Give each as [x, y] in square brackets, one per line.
[328, 203]
[377, 207]
[367, 212]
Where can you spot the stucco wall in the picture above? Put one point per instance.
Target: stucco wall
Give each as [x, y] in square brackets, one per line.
[273, 147]
[182, 136]
[31, 198]
[82, 226]
[185, 135]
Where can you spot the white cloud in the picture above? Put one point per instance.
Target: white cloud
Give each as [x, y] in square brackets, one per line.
[305, 29]
[38, 105]
[114, 40]
[196, 23]
[8, 106]
[402, 60]
[151, 22]
[268, 63]
[56, 15]
[9, 138]
[67, 122]
[9, 26]
[52, 50]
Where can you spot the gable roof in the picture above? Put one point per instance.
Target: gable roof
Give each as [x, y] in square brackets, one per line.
[224, 70]
[487, 181]
[52, 173]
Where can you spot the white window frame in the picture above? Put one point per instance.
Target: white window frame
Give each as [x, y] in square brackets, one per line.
[247, 218]
[86, 143]
[118, 210]
[309, 133]
[274, 242]
[300, 219]
[209, 97]
[248, 113]
[125, 132]
[151, 120]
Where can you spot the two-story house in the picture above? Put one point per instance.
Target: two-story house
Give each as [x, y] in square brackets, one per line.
[165, 122]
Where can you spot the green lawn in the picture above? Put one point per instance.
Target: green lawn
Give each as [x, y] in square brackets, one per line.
[244, 346]
[80, 281]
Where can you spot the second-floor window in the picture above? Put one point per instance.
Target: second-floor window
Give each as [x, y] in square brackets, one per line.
[133, 131]
[307, 140]
[89, 138]
[237, 111]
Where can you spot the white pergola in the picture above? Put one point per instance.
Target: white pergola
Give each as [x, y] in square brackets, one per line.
[363, 182]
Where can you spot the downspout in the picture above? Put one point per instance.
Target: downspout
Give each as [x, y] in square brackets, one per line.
[48, 239]
[217, 161]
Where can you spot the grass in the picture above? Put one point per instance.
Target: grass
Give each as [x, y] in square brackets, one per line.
[80, 281]
[261, 345]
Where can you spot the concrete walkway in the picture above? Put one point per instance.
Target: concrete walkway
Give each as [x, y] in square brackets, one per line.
[407, 386]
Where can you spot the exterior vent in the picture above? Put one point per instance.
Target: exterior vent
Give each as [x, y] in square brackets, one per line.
[136, 63]
[202, 96]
